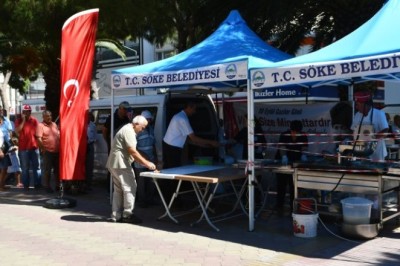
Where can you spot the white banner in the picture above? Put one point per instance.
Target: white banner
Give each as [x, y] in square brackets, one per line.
[275, 119]
[341, 69]
[209, 74]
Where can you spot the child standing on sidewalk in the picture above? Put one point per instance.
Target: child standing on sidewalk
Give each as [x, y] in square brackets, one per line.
[15, 166]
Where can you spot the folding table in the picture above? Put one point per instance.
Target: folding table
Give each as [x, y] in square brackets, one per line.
[196, 175]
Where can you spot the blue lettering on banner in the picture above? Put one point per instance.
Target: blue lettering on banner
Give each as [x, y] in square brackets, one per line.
[153, 79]
[317, 72]
[337, 69]
[370, 65]
[195, 75]
[170, 78]
[287, 76]
[135, 81]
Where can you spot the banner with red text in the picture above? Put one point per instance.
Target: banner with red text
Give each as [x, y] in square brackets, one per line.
[321, 122]
[77, 51]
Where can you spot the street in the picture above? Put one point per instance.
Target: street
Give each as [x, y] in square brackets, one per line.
[33, 235]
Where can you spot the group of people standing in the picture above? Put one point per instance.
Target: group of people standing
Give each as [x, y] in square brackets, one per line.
[25, 144]
[31, 149]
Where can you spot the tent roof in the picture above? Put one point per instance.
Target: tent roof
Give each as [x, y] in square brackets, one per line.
[220, 58]
[374, 40]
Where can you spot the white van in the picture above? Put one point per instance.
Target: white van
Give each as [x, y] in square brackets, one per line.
[163, 107]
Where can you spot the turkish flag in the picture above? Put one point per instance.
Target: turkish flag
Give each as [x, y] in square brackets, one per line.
[77, 51]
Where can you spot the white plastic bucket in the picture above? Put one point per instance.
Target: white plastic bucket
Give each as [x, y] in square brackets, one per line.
[305, 225]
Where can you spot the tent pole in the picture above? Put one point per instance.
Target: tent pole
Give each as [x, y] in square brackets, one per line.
[111, 136]
[250, 161]
[350, 93]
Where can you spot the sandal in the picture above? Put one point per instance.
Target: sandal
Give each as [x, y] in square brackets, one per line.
[20, 185]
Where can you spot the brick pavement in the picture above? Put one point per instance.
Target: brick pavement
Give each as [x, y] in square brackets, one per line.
[33, 235]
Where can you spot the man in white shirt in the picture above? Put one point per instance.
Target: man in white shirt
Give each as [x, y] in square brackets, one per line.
[178, 130]
[367, 115]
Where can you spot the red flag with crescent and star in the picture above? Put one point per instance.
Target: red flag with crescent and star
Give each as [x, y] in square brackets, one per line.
[77, 52]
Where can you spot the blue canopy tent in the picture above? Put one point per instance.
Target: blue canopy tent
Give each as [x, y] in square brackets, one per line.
[371, 52]
[218, 63]
[221, 60]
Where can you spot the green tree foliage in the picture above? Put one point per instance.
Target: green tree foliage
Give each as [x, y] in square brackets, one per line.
[35, 25]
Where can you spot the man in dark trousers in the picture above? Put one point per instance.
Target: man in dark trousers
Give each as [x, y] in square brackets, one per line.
[292, 144]
[178, 131]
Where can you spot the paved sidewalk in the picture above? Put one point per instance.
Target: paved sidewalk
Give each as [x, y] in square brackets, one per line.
[33, 235]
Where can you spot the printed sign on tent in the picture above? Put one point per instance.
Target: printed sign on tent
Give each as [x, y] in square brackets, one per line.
[316, 119]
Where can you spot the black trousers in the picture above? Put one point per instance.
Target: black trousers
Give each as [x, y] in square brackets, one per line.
[172, 157]
[284, 181]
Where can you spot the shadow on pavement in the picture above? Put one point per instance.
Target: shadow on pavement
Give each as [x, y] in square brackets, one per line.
[271, 231]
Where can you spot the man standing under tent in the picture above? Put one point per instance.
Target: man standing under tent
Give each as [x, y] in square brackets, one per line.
[121, 118]
[292, 145]
[146, 146]
[178, 130]
[367, 115]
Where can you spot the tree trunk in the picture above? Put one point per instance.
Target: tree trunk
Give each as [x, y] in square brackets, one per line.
[52, 92]
[4, 93]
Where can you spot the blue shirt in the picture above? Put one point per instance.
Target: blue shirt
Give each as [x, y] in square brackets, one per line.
[6, 128]
[145, 145]
[91, 132]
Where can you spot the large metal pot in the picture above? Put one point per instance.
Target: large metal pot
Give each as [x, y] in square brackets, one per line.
[365, 231]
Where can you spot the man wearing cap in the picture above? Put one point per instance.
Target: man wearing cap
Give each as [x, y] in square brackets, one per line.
[367, 115]
[25, 127]
[121, 118]
[146, 146]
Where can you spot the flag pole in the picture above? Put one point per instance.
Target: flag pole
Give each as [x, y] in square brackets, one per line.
[77, 57]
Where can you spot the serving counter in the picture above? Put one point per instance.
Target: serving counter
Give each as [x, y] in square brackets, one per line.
[370, 179]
